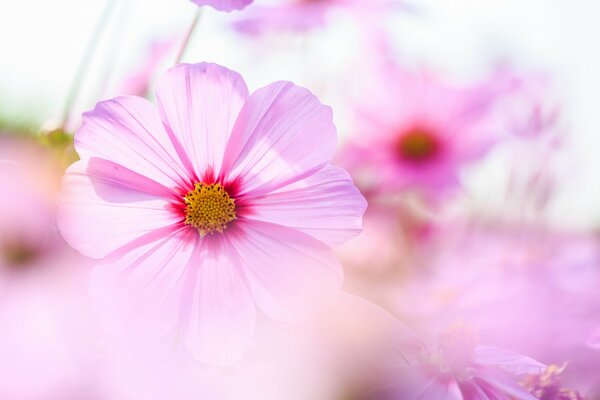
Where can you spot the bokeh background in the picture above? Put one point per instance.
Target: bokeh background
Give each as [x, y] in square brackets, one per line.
[513, 249]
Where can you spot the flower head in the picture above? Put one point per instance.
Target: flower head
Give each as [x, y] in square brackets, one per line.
[462, 370]
[418, 132]
[216, 203]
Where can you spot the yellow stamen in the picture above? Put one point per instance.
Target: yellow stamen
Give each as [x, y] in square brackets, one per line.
[209, 208]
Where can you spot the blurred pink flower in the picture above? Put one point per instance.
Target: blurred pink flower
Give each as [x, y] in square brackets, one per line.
[417, 132]
[224, 5]
[461, 370]
[302, 15]
[523, 288]
[216, 203]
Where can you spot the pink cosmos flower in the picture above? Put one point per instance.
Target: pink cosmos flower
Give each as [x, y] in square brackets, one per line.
[460, 370]
[418, 132]
[224, 5]
[215, 203]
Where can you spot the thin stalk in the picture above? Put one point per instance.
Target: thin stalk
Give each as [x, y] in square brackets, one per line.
[188, 36]
[115, 45]
[85, 61]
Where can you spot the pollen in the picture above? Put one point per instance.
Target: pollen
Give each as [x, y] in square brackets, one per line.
[209, 208]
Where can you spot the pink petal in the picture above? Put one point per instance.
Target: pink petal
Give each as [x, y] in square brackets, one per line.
[200, 104]
[509, 361]
[222, 311]
[503, 385]
[418, 383]
[472, 391]
[181, 288]
[224, 5]
[138, 292]
[442, 389]
[128, 131]
[325, 205]
[287, 271]
[283, 134]
[104, 206]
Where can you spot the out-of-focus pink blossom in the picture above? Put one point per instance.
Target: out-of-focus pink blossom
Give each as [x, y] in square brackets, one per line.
[513, 277]
[461, 370]
[224, 5]
[215, 203]
[523, 288]
[418, 132]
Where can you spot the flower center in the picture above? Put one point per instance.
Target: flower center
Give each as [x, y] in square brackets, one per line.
[209, 208]
[418, 145]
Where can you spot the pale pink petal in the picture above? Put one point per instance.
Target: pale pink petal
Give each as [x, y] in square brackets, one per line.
[138, 291]
[128, 131]
[221, 309]
[104, 206]
[442, 388]
[503, 385]
[287, 271]
[283, 134]
[224, 5]
[472, 391]
[418, 383]
[509, 361]
[181, 287]
[200, 104]
[325, 205]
